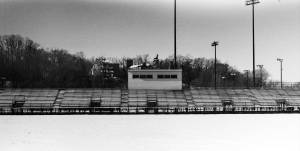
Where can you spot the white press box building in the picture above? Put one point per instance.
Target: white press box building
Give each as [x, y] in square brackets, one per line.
[164, 79]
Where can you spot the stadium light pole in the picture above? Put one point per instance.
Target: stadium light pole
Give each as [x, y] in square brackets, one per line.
[247, 72]
[175, 45]
[214, 44]
[261, 76]
[280, 60]
[253, 2]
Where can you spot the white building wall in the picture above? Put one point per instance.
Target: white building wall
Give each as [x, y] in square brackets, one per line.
[155, 83]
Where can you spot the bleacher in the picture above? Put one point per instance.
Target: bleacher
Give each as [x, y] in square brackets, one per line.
[206, 98]
[110, 98]
[84, 97]
[28, 98]
[136, 98]
[195, 99]
[6, 101]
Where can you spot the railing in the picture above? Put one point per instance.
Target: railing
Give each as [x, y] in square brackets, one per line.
[285, 85]
[153, 110]
[233, 85]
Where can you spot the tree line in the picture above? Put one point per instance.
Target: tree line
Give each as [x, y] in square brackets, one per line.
[25, 64]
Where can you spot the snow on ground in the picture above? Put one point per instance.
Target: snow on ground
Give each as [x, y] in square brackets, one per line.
[247, 132]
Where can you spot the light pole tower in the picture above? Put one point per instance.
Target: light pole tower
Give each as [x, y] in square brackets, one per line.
[214, 44]
[253, 2]
[261, 76]
[280, 60]
[175, 45]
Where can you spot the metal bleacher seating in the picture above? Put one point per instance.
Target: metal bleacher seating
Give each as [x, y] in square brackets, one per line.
[28, 98]
[75, 98]
[206, 98]
[195, 99]
[110, 98]
[137, 98]
[84, 97]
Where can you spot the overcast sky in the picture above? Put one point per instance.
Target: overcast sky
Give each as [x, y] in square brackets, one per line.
[130, 27]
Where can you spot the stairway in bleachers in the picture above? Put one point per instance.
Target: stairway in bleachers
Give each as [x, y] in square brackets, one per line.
[189, 98]
[57, 101]
[124, 98]
[151, 99]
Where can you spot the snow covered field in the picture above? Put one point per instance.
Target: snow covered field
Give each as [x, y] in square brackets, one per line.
[246, 132]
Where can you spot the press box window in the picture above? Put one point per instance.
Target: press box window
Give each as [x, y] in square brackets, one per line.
[143, 76]
[174, 76]
[167, 76]
[135, 76]
[149, 76]
[160, 76]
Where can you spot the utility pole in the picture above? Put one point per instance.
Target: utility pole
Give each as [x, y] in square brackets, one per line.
[247, 72]
[280, 60]
[175, 59]
[214, 44]
[261, 76]
[253, 2]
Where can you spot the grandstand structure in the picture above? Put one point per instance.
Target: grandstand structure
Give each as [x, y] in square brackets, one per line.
[145, 101]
